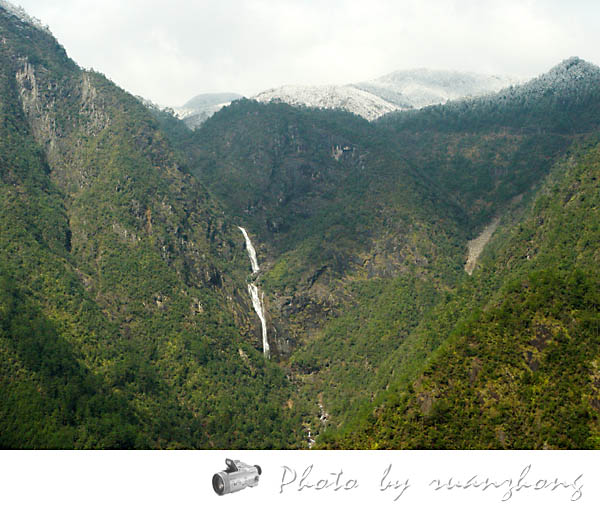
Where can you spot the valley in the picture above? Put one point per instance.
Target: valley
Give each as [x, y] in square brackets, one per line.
[286, 276]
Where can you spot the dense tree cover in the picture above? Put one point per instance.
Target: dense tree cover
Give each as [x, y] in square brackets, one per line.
[338, 214]
[326, 195]
[120, 276]
[124, 314]
[48, 397]
[563, 100]
[520, 370]
[302, 177]
[390, 215]
[487, 150]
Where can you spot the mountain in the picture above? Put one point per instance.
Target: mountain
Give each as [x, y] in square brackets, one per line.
[19, 13]
[198, 109]
[424, 87]
[133, 309]
[410, 89]
[470, 324]
[519, 369]
[346, 98]
[124, 313]
[363, 226]
[298, 178]
[569, 86]
[527, 125]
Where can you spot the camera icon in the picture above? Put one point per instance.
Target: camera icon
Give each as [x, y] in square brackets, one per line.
[235, 477]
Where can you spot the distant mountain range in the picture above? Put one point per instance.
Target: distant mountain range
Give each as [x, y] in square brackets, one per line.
[424, 87]
[403, 89]
[197, 110]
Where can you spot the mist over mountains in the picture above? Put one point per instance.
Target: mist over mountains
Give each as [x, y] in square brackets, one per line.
[126, 319]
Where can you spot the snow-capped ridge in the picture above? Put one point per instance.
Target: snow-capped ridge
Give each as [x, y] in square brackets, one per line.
[425, 87]
[400, 90]
[573, 67]
[211, 99]
[22, 15]
[564, 78]
[345, 97]
[410, 90]
[198, 109]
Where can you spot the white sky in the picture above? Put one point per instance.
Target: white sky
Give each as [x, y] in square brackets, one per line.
[169, 51]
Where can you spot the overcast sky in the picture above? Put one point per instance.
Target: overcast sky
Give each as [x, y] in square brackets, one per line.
[169, 51]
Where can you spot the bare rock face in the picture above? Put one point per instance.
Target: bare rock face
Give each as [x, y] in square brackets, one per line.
[37, 106]
[476, 246]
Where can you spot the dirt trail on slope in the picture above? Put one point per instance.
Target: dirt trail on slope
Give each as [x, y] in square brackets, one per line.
[476, 245]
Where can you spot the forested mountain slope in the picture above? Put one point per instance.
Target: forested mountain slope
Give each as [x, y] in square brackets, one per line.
[326, 195]
[363, 227]
[487, 150]
[520, 368]
[337, 214]
[123, 289]
[125, 317]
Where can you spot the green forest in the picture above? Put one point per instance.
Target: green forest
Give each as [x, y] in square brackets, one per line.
[125, 316]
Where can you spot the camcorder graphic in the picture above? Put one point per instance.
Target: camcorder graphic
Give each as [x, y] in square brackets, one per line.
[235, 477]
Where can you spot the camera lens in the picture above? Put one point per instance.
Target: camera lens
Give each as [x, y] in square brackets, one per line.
[218, 484]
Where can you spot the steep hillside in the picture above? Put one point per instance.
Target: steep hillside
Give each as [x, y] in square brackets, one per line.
[123, 285]
[363, 228]
[569, 89]
[521, 369]
[327, 197]
[488, 150]
[126, 317]
[336, 214]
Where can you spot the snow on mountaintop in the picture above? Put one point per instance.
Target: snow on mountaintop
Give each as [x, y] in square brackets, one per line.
[425, 87]
[193, 118]
[408, 89]
[573, 78]
[20, 13]
[211, 99]
[563, 77]
[345, 97]
[197, 110]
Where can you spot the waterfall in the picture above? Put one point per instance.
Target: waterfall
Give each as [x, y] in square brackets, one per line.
[255, 294]
[251, 251]
[259, 309]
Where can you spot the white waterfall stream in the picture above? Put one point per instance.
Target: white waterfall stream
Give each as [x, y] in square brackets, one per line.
[255, 294]
[251, 251]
